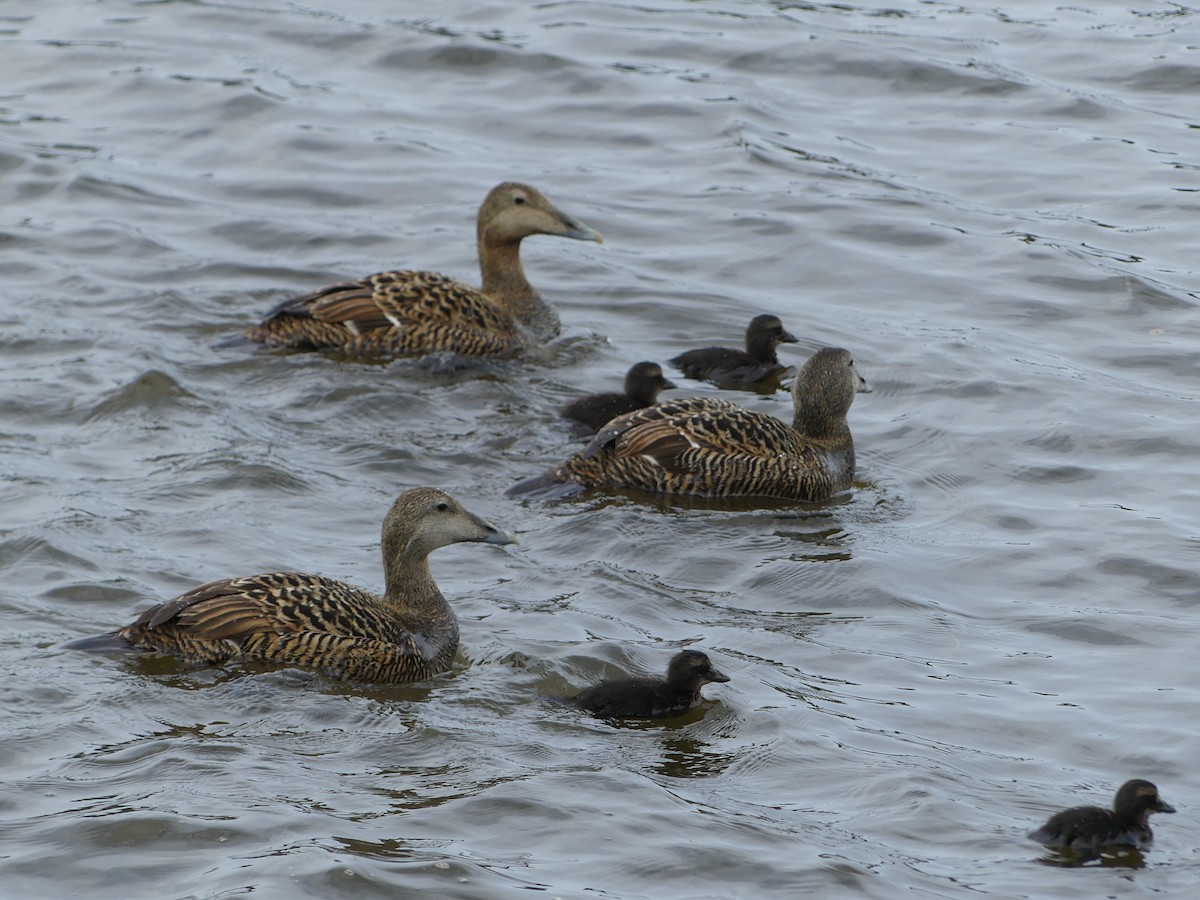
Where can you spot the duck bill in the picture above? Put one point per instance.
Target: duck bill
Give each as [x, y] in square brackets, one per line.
[667, 385]
[492, 534]
[717, 677]
[1162, 806]
[574, 229]
[788, 338]
[863, 387]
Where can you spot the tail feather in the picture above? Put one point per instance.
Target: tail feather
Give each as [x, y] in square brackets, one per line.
[102, 643]
[549, 485]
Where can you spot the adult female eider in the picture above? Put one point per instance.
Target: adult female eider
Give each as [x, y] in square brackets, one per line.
[1089, 828]
[408, 634]
[709, 447]
[643, 382]
[649, 697]
[411, 313]
[730, 368]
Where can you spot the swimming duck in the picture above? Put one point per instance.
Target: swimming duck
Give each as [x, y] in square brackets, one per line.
[408, 634]
[709, 447]
[1088, 828]
[642, 385]
[650, 697]
[408, 313]
[730, 368]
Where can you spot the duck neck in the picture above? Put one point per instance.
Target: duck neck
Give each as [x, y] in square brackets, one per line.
[817, 423]
[505, 282]
[409, 586]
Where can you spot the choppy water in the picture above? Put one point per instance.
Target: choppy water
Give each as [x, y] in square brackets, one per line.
[994, 208]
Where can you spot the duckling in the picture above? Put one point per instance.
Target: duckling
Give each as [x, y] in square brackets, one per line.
[709, 447]
[1089, 828]
[410, 313]
[651, 697]
[642, 385]
[729, 368]
[408, 634]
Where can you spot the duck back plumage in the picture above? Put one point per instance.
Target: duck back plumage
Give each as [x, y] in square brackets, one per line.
[410, 313]
[710, 447]
[292, 618]
[399, 313]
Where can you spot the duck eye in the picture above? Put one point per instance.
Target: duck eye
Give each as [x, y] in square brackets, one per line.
[518, 199]
[442, 507]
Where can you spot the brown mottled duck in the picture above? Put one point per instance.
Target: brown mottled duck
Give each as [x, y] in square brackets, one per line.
[1087, 829]
[730, 368]
[708, 447]
[408, 634]
[643, 382]
[412, 313]
[653, 697]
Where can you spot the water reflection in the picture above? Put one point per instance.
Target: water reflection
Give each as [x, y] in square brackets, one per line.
[1115, 857]
[688, 756]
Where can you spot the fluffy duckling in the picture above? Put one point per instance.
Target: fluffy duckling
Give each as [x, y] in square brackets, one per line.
[651, 697]
[408, 634]
[1089, 828]
[643, 383]
[709, 447]
[730, 368]
[409, 313]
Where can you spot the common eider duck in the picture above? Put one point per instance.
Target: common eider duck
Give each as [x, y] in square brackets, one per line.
[730, 368]
[408, 634]
[651, 697]
[643, 382]
[708, 447]
[413, 313]
[1087, 829]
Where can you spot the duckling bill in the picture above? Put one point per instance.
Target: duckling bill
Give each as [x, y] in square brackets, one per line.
[408, 634]
[652, 697]
[1088, 829]
[414, 313]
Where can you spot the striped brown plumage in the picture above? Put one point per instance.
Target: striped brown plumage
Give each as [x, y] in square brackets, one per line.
[408, 634]
[410, 313]
[714, 448]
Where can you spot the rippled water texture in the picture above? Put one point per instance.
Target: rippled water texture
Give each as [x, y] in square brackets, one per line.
[994, 208]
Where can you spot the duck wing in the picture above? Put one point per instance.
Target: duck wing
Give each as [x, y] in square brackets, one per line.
[665, 432]
[393, 313]
[707, 447]
[276, 603]
[293, 619]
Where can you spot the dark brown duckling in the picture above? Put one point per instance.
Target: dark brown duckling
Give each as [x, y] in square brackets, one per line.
[408, 634]
[709, 447]
[652, 697]
[411, 313]
[730, 368]
[643, 383]
[1089, 828]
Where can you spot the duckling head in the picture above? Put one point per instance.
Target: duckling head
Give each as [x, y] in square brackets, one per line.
[691, 667]
[1138, 798]
[645, 380]
[512, 211]
[765, 333]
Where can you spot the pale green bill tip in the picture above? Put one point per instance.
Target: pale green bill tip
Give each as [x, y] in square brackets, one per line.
[581, 232]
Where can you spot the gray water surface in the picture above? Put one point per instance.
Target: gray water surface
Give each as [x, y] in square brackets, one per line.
[994, 207]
